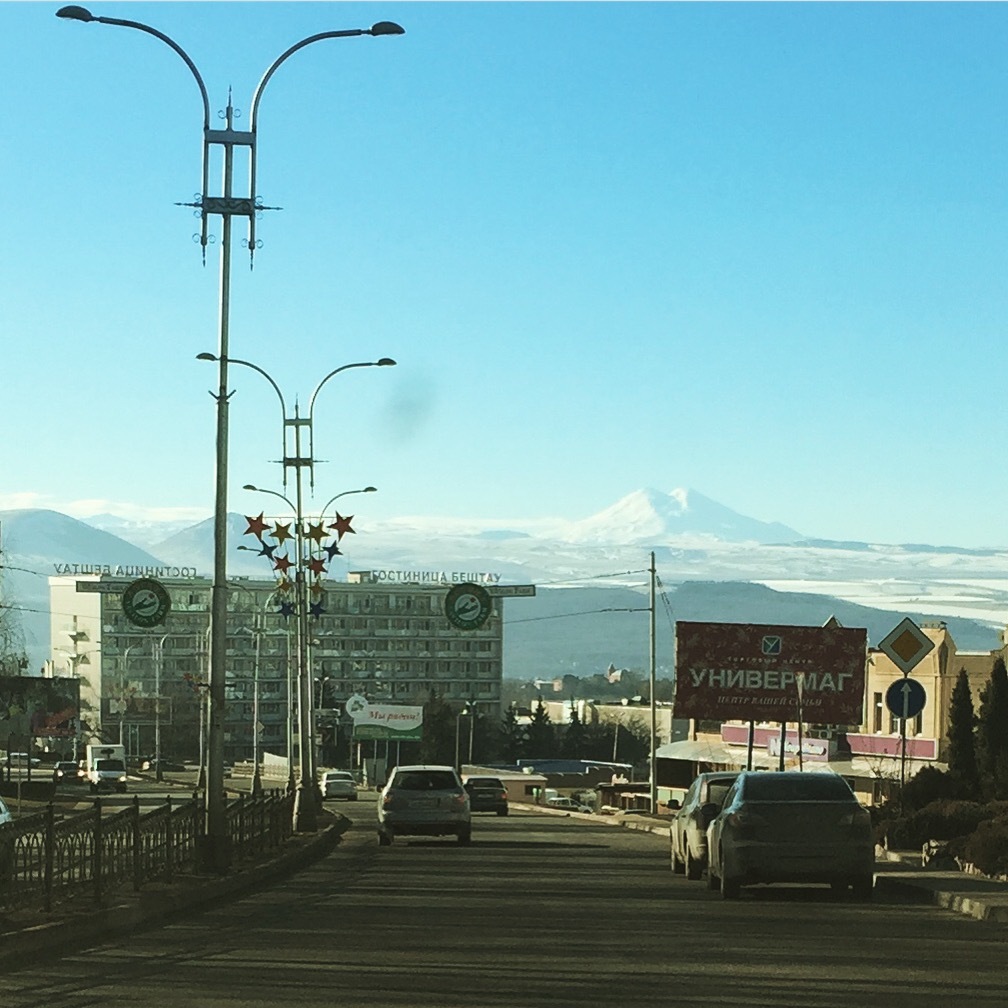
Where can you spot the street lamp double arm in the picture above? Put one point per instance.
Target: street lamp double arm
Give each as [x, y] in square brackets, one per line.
[217, 841]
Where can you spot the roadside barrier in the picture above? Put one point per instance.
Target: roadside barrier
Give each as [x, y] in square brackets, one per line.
[45, 860]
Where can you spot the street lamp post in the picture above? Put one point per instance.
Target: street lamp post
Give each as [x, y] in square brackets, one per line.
[217, 852]
[294, 457]
[464, 712]
[158, 663]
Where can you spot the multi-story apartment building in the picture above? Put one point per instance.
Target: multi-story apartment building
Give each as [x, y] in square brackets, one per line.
[388, 640]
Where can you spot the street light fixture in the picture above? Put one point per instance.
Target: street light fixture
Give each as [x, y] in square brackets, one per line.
[217, 852]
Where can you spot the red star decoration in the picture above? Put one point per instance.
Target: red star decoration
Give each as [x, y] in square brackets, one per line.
[282, 564]
[256, 526]
[316, 532]
[317, 566]
[281, 532]
[342, 526]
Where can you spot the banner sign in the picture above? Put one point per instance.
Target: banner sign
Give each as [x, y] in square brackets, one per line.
[385, 721]
[750, 671]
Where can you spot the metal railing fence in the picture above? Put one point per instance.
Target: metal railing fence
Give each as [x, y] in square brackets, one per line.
[45, 861]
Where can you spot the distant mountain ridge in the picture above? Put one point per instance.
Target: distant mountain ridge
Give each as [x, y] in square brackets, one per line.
[694, 540]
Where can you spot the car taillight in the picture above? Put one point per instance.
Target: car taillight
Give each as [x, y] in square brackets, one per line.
[461, 799]
[859, 819]
[744, 819]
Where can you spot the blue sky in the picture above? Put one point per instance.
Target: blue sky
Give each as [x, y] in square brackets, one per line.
[759, 250]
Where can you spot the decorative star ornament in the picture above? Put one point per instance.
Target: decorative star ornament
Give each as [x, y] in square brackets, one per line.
[282, 563]
[342, 526]
[256, 526]
[316, 532]
[317, 566]
[268, 549]
[333, 550]
[286, 609]
[316, 609]
[284, 584]
[281, 532]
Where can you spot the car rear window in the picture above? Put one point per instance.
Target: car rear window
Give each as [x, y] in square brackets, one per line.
[717, 790]
[426, 780]
[488, 782]
[782, 787]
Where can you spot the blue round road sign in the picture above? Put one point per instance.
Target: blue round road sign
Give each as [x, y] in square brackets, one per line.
[905, 698]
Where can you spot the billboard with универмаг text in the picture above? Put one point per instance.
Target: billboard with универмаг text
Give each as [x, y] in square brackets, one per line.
[751, 671]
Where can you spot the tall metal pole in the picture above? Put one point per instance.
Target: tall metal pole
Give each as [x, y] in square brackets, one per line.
[654, 703]
[305, 802]
[256, 775]
[158, 663]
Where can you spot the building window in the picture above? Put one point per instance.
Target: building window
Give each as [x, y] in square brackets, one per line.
[877, 723]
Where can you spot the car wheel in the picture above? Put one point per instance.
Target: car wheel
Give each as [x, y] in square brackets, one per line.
[713, 882]
[731, 888]
[384, 839]
[678, 868]
[465, 837]
[863, 886]
[692, 867]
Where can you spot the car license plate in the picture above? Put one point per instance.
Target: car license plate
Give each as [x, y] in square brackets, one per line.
[423, 803]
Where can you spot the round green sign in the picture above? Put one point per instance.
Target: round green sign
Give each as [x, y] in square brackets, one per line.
[468, 606]
[146, 603]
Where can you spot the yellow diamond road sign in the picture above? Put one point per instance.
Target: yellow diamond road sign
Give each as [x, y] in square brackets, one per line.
[906, 645]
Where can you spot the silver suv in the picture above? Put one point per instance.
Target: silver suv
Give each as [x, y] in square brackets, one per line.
[423, 801]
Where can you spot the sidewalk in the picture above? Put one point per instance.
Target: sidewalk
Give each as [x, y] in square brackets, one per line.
[26, 936]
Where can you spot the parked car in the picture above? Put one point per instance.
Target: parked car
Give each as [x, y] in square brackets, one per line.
[486, 794]
[150, 765]
[423, 801]
[569, 804]
[688, 831]
[791, 826]
[338, 784]
[68, 772]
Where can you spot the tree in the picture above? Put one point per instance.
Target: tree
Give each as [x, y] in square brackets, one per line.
[541, 733]
[512, 736]
[438, 743]
[992, 737]
[962, 740]
[572, 745]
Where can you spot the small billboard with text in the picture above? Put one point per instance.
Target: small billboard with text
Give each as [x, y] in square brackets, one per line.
[391, 722]
[752, 671]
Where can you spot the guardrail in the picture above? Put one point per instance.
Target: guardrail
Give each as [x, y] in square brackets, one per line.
[44, 860]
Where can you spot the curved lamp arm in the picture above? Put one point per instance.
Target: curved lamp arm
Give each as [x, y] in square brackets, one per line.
[255, 367]
[77, 13]
[381, 28]
[383, 362]
[368, 489]
[273, 493]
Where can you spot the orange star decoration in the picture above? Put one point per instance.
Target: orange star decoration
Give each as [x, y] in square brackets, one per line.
[281, 532]
[316, 532]
[256, 526]
[284, 584]
[315, 588]
[342, 526]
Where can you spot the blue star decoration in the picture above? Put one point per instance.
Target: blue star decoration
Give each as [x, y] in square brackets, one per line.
[286, 609]
[316, 609]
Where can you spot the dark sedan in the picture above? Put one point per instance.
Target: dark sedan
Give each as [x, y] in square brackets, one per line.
[487, 794]
[791, 826]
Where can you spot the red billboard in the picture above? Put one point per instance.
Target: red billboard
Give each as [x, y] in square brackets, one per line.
[753, 672]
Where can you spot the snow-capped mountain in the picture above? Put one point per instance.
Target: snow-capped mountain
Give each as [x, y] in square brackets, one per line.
[694, 540]
[651, 517]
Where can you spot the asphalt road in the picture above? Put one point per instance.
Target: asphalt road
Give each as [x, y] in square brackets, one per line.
[539, 910]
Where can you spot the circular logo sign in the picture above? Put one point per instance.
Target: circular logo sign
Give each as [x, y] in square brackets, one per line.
[467, 606]
[146, 603]
[356, 706]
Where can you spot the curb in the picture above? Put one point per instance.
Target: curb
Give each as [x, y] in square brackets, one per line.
[158, 904]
